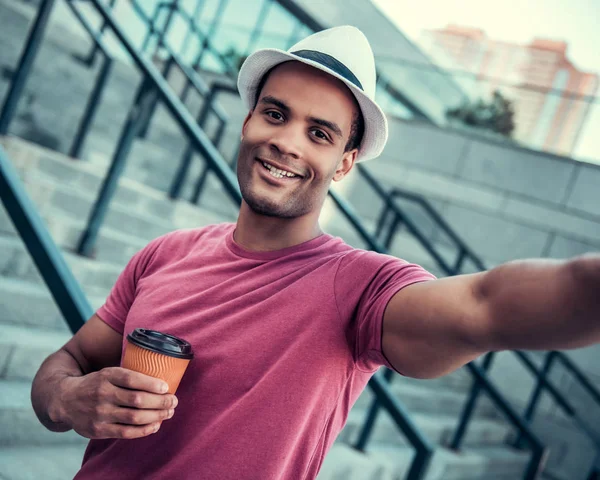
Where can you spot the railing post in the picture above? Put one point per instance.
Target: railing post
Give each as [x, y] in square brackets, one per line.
[191, 25]
[63, 286]
[365, 433]
[151, 28]
[537, 463]
[392, 231]
[204, 175]
[186, 158]
[152, 108]
[21, 74]
[459, 261]
[469, 406]
[234, 158]
[211, 31]
[91, 108]
[383, 219]
[91, 58]
[535, 395]
[143, 99]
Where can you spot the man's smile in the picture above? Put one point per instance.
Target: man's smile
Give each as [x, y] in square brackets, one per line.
[277, 172]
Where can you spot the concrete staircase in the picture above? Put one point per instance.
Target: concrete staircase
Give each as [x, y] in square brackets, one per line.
[64, 190]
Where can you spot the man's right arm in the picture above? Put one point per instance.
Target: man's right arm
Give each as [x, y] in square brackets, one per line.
[81, 387]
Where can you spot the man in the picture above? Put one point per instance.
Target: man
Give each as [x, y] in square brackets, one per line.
[288, 323]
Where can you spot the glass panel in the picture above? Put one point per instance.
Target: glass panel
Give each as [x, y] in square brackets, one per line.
[236, 27]
[176, 32]
[211, 63]
[209, 10]
[191, 48]
[279, 21]
[277, 29]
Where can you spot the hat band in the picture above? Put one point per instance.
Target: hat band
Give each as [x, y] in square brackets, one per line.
[331, 63]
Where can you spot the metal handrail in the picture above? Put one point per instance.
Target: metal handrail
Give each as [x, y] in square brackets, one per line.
[155, 84]
[192, 78]
[59, 279]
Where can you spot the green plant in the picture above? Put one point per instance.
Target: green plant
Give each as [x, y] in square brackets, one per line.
[496, 115]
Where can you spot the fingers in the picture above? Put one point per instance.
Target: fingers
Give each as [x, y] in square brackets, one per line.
[143, 400]
[114, 430]
[135, 417]
[122, 377]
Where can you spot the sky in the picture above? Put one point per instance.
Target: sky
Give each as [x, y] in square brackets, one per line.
[573, 21]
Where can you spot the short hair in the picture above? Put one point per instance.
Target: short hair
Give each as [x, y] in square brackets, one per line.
[357, 128]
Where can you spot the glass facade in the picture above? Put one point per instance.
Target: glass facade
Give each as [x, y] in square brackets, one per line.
[226, 31]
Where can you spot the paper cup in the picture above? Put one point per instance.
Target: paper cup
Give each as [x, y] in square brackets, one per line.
[157, 354]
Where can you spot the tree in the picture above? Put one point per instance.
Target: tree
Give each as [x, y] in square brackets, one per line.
[497, 115]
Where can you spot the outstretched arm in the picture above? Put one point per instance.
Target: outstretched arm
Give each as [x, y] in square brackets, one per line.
[432, 328]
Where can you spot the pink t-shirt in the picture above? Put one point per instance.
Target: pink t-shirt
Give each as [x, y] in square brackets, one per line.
[284, 343]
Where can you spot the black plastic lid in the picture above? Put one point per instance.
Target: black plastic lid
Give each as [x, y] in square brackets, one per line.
[161, 343]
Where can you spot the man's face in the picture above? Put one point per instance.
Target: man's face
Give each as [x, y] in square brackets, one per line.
[300, 126]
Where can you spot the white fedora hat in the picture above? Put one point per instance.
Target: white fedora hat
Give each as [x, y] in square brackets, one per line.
[343, 52]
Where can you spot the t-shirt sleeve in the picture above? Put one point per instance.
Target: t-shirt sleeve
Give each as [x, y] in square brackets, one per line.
[116, 307]
[365, 283]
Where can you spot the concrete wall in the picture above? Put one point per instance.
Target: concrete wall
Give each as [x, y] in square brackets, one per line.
[506, 202]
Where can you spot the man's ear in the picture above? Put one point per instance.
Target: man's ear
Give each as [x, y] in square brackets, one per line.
[246, 120]
[346, 164]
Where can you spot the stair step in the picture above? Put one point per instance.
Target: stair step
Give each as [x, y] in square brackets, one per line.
[49, 462]
[425, 397]
[111, 245]
[47, 194]
[16, 262]
[438, 428]
[345, 463]
[88, 176]
[20, 426]
[469, 464]
[23, 303]
[23, 349]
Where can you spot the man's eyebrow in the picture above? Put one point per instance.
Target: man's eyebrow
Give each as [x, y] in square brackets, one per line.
[269, 100]
[326, 123]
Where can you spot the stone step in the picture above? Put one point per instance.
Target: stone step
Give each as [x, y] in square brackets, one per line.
[23, 349]
[497, 463]
[155, 167]
[20, 425]
[87, 177]
[16, 262]
[23, 303]
[437, 427]
[61, 197]
[424, 397]
[111, 245]
[345, 463]
[48, 462]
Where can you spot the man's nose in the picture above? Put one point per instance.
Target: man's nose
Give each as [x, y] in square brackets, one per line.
[288, 140]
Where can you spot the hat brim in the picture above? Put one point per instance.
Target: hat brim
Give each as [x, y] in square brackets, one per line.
[260, 62]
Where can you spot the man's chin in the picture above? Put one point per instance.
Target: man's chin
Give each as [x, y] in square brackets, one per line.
[265, 208]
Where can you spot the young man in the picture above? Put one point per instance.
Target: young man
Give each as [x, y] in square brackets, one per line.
[288, 323]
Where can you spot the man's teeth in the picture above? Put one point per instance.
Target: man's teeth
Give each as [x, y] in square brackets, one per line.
[276, 172]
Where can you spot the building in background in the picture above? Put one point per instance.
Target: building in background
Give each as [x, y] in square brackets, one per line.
[552, 98]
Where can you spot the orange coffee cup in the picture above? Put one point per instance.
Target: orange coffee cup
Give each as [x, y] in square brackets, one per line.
[157, 354]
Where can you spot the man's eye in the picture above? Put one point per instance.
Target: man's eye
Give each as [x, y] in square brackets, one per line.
[320, 134]
[275, 115]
